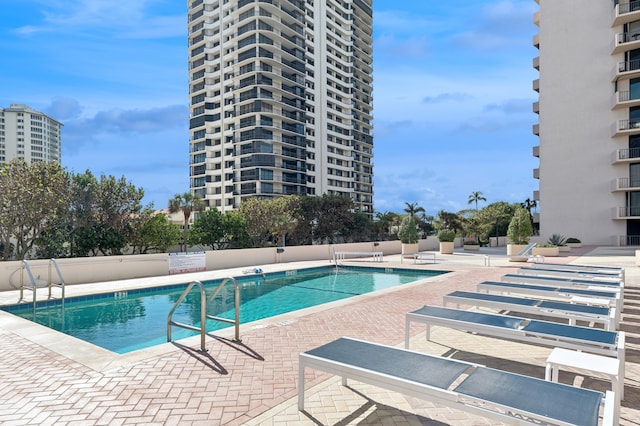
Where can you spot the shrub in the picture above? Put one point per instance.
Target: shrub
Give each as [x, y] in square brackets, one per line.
[520, 229]
[446, 236]
[557, 240]
[471, 243]
[546, 245]
[573, 240]
[408, 233]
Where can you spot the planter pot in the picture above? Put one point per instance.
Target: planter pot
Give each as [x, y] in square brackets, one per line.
[564, 249]
[574, 245]
[446, 247]
[409, 248]
[471, 247]
[546, 251]
[513, 249]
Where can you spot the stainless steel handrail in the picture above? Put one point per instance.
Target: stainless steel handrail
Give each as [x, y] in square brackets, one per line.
[25, 266]
[235, 321]
[203, 311]
[52, 262]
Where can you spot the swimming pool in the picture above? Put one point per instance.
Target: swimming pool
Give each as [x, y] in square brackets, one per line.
[126, 321]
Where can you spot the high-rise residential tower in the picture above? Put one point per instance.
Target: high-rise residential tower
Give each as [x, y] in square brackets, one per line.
[29, 135]
[589, 120]
[280, 99]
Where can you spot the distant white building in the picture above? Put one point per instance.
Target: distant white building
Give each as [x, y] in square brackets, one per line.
[589, 120]
[29, 135]
[281, 100]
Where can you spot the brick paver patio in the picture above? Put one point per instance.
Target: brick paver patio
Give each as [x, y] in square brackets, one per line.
[255, 382]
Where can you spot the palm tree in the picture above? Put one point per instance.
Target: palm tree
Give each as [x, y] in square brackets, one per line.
[187, 203]
[529, 205]
[475, 197]
[386, 221]
[413, 209]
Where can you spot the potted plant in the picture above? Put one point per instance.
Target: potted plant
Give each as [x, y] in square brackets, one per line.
[408, 235]
[547, 250]
[574, 242]
[446, 238]
[471, 245]
[518, 233]
[560, 241]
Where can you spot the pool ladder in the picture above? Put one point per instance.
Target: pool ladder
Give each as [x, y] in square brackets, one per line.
[203, 311]
[32, 285]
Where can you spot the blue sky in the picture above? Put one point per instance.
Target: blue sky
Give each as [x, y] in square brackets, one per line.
[452, 93]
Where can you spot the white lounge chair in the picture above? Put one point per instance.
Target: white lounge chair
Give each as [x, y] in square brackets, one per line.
[550, 308]
[567, 273]
[596, 341]
[527, 253]
[590, 284]
[493, 394]
[569, 294]
[613, 270]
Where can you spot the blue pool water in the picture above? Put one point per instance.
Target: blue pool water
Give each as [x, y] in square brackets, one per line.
[130, 320]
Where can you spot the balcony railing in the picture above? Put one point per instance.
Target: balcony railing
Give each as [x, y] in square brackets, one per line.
[629, 240]
[628, 212]
[628, 124]
[626, 66]
[628, 153]
[626, 183]
[632, 6]
[626, 12]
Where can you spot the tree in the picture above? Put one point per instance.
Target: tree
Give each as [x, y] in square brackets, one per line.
[155, 232]
[384, 222]
[529, 205]
[332, 218]
[208, 229]
[520, 229]
[475, 197]
[448, 220]
[32, 197]
[412, 209]
[258, 221]
[187, 203]
[408, 233]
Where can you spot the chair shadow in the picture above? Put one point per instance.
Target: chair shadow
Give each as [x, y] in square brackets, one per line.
[382, 411]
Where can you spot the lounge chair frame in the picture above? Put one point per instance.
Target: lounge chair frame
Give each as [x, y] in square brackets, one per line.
[560, 273]
[601, 342]
[569, 294]
[449, 389]
[555, 309]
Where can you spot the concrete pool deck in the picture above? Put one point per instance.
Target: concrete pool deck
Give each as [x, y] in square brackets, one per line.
[50, 379]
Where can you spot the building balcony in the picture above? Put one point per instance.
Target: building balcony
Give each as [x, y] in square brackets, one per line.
[622, 213]
[626, 12]
[626, 127]
[536, 129]
[536, 18]
[536, 107]
[536, 173]
[623, 42]
[536, 195]
[536, 85]
[625, 99]
[536, 151]
[536, 218]
[626, 69]
[536, 63]
[626, 155]
[536, 41]
[625, 184]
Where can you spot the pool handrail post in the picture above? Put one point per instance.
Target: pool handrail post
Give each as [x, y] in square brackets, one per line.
[236, 322]
[203, 314]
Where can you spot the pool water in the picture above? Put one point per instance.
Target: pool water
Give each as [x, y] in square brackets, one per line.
[125, 321]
